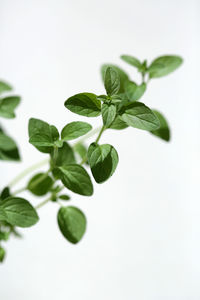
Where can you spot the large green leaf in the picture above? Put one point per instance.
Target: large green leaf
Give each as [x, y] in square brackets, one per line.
[131, 60]
[84, 104]
[122, 75]
[4, 87]
[75, 178]
[103, 160]
[108, 113]
[133, 91]
[8, 105]
[74, 130]
[40, 184]
[164, 65]
[19, 212]
[111, 81]
[72, 223]
[140, 116]
[163, 132]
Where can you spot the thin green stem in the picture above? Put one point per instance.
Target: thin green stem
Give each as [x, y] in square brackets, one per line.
[43, 203]
[27, 171]
[19, 191]
[103, 128]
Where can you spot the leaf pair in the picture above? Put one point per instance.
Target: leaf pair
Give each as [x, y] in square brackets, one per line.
[44, 136]
[161, 66]
[18, 212]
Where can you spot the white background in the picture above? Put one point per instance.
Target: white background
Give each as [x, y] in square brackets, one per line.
[143, 235]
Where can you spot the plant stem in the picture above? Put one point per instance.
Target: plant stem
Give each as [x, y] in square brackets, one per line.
[103, 128]
[19, 191]
[27, 171]
[43, 203]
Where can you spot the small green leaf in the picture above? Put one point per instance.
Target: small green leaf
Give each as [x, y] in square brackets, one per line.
[133, 91]
[74, 130]
[131, 60]
[164, 65]
[163, 132]
[19, 212]
[118, 124]
[103, 160]
[2, 254]
[4, 87]
[40, 184]
[8, 148]
[108, 113]
[41, 134]
[84, 104]
[64, 197]
[111, 81]
[122, 75]
[140, 116]
[8, 105]
[75, 178]
[72, 223]
[5, 193]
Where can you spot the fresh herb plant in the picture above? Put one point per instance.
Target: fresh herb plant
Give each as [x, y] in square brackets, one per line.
[119, 108]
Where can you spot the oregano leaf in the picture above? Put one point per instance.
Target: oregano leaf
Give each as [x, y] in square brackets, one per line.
[8, 105]
[111, 81]
[108, 113]
[4, 87]
[103, 160]
[40, 184]
[133, 91]
[74, 130]
[19, 212]
[75, 178]
[131, 60]
[163, 132]
[72, 223]
[140, 116]
[164, 65]
[84, 104]
[118, 124]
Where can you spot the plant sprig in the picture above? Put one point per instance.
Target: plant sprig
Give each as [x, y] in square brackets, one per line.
[119, 108]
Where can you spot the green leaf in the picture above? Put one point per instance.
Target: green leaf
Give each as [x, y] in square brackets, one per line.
[164, 65]
[75, 178]
[2, 254]
[122, 75]
[19, 212]
[103, 160]
[74, 130]
[163, 132]
[131, 60]
[118, 124]
[140, 116]
[111, 81]
[65, 155]
[108, 113]
[4, 87]
[8, 105]
[41, 134]
[64, 197]
[72, 223]
[8, 148]
[5, 193]
[133, 91]
[84, 104]
[40, 184]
